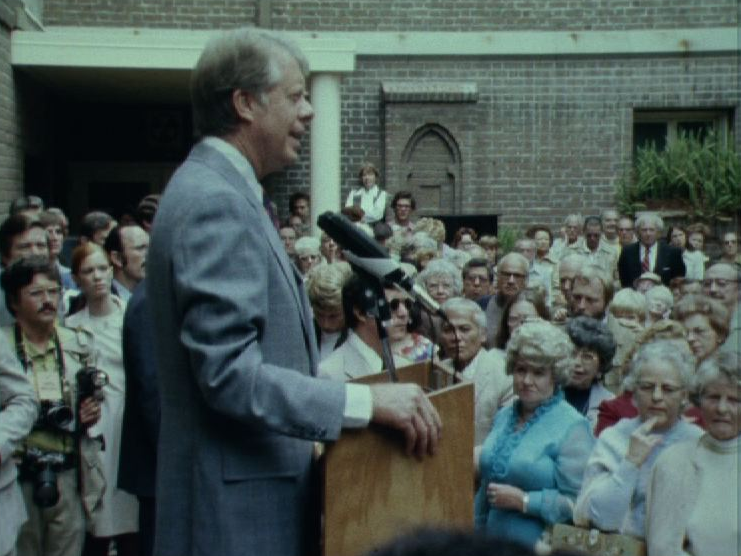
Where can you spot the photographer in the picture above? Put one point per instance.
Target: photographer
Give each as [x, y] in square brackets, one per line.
[52, 357]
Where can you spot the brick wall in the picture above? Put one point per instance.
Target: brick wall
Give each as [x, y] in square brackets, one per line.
[546, 137]
[550, 135]
[403, 15]
[185, 14]
[11, 173]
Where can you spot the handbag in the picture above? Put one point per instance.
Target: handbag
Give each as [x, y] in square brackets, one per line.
[593, 542]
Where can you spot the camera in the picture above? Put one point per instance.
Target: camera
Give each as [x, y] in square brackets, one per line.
[90, 383]
[55, 415]
[44, 467]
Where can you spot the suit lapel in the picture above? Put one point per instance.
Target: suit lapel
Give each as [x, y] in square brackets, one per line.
[660, 256]
[219, 162]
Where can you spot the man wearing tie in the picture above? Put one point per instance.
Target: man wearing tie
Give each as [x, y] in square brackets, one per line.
[648, 255]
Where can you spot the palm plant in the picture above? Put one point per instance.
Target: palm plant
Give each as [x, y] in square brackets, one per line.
[702, 176]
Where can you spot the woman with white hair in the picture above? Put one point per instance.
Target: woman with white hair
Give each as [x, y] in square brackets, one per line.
[442, 280]
[613, 496]
[531, 463]
[463, 338]
[308, 253]
[693, 495]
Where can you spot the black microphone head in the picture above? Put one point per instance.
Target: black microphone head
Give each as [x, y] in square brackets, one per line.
[348, 236]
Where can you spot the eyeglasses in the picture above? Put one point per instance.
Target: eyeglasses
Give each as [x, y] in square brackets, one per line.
[720, 282]
[666, 389]
[514, 275]
[394, 304]
[41, 292]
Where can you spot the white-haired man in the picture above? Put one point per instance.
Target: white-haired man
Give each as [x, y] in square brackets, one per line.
[648, 255]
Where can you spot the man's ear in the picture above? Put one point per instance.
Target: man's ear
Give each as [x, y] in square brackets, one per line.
[244, 104]
[360, 315]
[116, 259]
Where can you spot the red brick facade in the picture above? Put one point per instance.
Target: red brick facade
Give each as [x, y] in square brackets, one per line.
[543, 137]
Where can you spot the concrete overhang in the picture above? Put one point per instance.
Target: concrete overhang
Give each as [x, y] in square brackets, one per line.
[138, 65]
[153, 65]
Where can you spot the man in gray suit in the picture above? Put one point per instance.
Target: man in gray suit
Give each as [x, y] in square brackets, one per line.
[235, 342]
[17, 415]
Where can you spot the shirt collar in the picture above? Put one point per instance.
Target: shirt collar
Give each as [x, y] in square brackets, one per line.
[32, 351]
[369, 356]
[238, 161]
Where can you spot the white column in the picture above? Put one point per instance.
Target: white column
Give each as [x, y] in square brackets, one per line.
[325, 145]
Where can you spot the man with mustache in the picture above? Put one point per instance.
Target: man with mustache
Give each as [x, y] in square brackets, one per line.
[127, 248]
[51, 355]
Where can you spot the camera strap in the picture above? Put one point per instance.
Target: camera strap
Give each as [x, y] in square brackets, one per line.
[26, 363]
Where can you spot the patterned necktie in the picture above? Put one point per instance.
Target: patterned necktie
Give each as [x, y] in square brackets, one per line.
[646, 264]
[269, 209]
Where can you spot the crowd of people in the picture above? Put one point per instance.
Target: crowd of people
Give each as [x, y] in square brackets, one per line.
[604, 359]
[585, 352]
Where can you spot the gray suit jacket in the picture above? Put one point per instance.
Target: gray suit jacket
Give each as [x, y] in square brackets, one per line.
[17, 415]
[236, 359]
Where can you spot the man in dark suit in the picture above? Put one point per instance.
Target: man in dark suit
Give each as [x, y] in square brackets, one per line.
[648, 255]
[236, 355]
[141, 421]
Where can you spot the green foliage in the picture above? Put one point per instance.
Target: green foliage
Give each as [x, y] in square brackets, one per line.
[702, 177]
[507, 237]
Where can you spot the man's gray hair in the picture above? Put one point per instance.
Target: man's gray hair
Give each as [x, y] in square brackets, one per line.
[649, 218]
[470, 309]
[307, 245]
[673, 352]
[516, 258]
[245, 58]
[574, 216]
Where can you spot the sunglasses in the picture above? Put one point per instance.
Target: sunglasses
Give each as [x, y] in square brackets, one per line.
[396, 303]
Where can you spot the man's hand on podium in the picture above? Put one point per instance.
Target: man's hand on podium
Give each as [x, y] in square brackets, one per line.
[406, 408]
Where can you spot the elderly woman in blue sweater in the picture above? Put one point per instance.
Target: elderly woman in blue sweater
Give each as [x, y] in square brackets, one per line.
[531, 463]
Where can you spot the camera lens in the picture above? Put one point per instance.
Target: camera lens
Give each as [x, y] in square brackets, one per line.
[60, 416]
[45, 491]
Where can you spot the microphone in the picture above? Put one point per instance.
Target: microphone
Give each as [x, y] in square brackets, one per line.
[363, 251]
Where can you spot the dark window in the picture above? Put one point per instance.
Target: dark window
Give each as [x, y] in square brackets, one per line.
[648, 133]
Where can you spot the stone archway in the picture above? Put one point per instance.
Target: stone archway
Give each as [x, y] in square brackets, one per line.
[431, 169]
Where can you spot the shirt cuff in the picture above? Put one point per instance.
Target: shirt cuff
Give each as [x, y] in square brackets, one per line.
[358, 406]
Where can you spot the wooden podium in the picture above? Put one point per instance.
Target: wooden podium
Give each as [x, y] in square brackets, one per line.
[373, 492]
